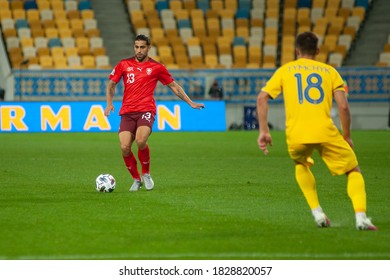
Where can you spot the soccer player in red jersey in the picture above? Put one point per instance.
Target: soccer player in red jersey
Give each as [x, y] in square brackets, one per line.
[140, 75]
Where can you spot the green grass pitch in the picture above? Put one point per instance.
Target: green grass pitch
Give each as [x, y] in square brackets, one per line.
[216, 197]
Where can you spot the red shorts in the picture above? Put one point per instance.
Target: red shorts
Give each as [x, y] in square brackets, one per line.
[130, 122]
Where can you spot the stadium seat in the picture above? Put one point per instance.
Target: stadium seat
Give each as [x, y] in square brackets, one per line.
[24, 32]
[304, 3]
[257, 13]
[335, 59]
[203, 5]
[10, 32]
[254, 55]
[57, 5]
[32, 15]
[270, 50]
[70, 5]
[7, 23]
[345, 40]
[348, 4]
[239, 41]
[359, 12]
[19, 14]
[216, 5]
[384, 57]
[68, 42]
[4, 5]
[26, 42]
[12, 42]
[46, 62]
[5, 14]
[54, 42]
[74, 62]
[88, 61]
[84, 5]
[43, 51]
[60, 62]
[102, 62]
[211, 61]
[17, 5]
[362, 3]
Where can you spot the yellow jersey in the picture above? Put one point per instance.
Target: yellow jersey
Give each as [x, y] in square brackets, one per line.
[307, 86]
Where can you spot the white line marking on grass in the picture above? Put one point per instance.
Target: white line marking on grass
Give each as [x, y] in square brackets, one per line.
[362, 255]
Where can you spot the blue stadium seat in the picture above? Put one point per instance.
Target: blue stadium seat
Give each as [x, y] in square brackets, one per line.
[183, 23]
[245, 4]
[239, 41]
[243, 13]
[21, 23]
[203, 5]
[362, 3]
[54, 42]
[30, 4]
[304, 3]
[85, 5]
[161, 5]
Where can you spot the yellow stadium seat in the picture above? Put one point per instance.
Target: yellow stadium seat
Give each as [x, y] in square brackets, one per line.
[57, 51]
[60, 62]
[88, 61]
[46, 62]
[87, 14]
[175, 5]
[18, 14]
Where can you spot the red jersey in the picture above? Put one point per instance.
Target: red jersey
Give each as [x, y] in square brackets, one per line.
[139, 80]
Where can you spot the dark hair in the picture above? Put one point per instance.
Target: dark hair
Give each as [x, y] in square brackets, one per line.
[307, 43]
[142, 37]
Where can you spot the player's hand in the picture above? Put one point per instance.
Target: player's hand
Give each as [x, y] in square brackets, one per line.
[198, 106]
[109, 108]
[264, 140]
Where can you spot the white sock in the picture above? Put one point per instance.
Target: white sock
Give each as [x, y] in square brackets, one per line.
[360, 215]
[317, 212]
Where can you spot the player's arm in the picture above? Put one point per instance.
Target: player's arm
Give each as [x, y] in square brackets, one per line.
[264, 138]
[110, 91]
[179, 92]
[345, 115]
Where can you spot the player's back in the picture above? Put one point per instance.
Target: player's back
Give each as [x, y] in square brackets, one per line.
[308, 87]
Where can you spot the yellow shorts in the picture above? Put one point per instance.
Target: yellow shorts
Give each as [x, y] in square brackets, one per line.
[337, 155]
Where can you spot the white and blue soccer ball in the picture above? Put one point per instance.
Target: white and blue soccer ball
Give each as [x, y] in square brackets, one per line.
[105, 183]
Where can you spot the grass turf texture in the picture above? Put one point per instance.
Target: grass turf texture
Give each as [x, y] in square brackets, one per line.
[216, 197]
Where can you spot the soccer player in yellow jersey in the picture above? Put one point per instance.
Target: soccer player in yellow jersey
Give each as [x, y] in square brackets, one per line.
[309, 88]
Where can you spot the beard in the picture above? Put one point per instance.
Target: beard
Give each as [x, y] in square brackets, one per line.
[140, 57]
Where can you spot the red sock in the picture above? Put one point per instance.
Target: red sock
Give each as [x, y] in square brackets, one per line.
[144, 158]
[131, 164]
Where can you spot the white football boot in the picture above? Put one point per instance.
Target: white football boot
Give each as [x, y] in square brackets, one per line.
[364, 223]
[148, 182]
[136, 186]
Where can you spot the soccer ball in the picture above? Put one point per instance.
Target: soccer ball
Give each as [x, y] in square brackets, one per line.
[105, 183]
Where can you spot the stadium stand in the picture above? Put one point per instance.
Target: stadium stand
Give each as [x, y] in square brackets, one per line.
[265, 25]
[229, 33]
[38, 33]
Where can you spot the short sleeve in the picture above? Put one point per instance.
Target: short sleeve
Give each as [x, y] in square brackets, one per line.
[274, 85]
[338, 82]
[164, 76]
[116, 73]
